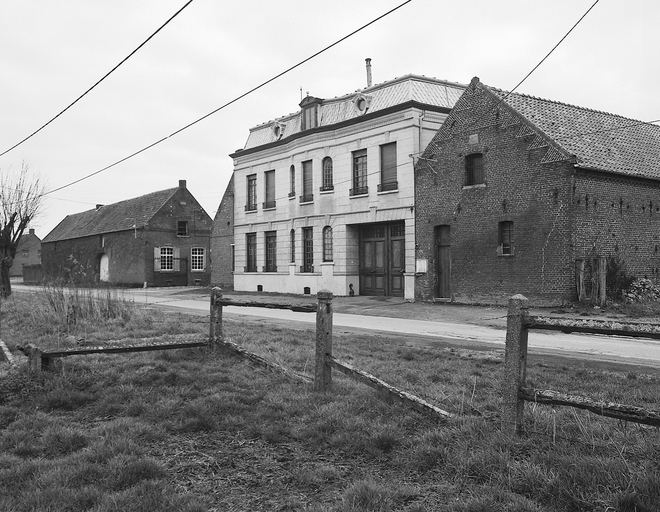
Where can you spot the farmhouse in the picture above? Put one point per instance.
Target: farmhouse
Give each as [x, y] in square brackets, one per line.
[28, 253]
[514, 193]
[324, 198]
[158, 239]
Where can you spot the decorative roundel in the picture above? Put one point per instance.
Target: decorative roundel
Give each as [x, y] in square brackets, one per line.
[278, 130]
[361, 103]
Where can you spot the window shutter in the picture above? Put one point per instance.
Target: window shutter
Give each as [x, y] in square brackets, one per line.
[157, 259]
[388, 163]
[177, 259]
[307, 178]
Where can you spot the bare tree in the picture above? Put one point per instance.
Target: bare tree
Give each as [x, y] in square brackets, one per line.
[21, 199]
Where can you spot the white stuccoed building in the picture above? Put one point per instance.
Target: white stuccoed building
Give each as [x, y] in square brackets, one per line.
[324, 198]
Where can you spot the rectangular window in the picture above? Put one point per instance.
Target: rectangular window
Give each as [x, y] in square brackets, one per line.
[182, 228]
[308, 191]
[251, 204]
[359, 173]
[506, 238]
[251, 250]
[474, 169]
[197, 259]
[388, 176]
[269, 179]
[232, 250]
[166, 259]
[308, 250]
[292, 243]
[271, 251]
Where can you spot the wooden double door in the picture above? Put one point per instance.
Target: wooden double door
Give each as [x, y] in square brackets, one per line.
[382, 259]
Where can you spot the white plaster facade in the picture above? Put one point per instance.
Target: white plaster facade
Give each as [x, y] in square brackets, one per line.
[407, 111]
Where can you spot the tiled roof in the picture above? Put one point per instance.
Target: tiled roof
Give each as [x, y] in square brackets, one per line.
[599, 140]
[424, 90]
[120, 216]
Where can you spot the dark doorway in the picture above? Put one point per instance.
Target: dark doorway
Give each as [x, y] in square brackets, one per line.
[382, 259]
[443, 261]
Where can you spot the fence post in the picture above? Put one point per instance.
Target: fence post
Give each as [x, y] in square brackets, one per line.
[515, 365]
[322, 371]
[34, 359]
[215, 328]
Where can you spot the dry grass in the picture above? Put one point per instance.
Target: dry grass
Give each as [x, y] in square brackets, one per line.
[188, 430]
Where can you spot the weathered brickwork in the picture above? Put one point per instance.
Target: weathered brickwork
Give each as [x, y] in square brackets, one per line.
[131, 254]
[559, 211]
[222, 241]
[621, 216]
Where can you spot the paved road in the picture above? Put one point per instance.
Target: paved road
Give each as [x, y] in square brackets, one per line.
[635, 351]
[614, 349]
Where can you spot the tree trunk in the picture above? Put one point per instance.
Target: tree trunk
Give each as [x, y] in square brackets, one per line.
[5, 283]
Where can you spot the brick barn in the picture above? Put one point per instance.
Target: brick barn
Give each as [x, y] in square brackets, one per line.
[514, 192]
[161, 239]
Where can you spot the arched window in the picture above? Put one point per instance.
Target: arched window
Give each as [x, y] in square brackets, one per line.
[327, 243]
[327, 174]
[292, 180]
[292, 243]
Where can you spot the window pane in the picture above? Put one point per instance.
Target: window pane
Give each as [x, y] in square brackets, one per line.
[251, 192]
[327, 243]
[327, 174]
[251, 249]
[292, 177]
[308, 250]
[197, 260]
[360, 172]
[506, 237]
[167, 258]
[182, 228]
[474, 169]
[271, 251]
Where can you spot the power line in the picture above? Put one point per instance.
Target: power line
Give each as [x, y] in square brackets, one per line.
[229, 102]
[550, 52]
[99, 81]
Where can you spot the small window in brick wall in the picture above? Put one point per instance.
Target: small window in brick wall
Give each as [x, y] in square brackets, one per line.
[505, 235]
[474, 169]
[182, 228]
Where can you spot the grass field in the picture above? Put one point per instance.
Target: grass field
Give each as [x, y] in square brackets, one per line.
[196, 431]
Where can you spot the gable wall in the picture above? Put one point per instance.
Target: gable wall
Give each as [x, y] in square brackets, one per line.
[518, 188]
[222, 240]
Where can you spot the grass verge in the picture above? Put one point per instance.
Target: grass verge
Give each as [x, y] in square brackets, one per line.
[189, 431]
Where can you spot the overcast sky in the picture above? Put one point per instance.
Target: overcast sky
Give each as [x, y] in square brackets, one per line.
[214, 51]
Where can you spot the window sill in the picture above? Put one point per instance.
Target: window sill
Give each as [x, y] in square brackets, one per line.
[197, 271]
[359, 196]
[269, 209]
[477, 186]
[248, 212]
[327, 191]
[388, 192]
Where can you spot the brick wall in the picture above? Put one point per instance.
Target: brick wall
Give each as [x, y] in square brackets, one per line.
[222, 240]
[618, 216]
[517, 187]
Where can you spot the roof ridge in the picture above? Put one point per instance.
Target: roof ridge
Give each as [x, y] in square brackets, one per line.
[557, 102]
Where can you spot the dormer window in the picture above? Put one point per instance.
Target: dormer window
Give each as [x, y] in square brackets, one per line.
[278, 130]
[309, 118]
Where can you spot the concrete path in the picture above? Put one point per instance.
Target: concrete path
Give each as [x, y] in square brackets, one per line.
[635, 351]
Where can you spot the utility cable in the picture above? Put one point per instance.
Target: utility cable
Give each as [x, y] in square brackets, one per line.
[550, 52]
[229, 102]
[99, 81]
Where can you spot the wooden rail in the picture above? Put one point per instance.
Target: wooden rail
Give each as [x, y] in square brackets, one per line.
[514, 394]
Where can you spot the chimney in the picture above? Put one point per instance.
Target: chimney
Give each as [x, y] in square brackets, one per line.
[32, 231]
[182, 183]
[98, 207]
[368, 61]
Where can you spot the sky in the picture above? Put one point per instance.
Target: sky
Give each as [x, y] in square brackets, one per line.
[215, 51]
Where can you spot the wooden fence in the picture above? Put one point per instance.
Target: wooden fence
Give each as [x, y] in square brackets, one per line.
[514, 392]
[324, 360]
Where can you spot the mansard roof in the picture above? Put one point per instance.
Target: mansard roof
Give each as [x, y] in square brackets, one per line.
[408, 89]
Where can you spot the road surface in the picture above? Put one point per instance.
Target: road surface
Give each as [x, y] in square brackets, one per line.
[612, 349]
